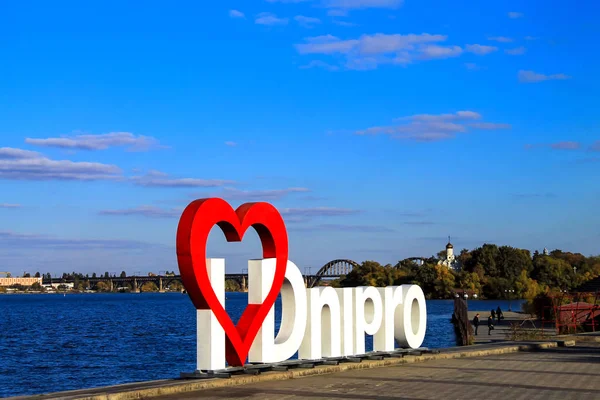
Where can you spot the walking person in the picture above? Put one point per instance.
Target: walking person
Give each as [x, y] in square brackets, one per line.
[476, 323]
[490, 325]
[499, 314]
[493, 315]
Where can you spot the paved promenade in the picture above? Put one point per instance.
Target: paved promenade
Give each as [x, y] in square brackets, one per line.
[491, 371]
[502, 328]
[551, 374]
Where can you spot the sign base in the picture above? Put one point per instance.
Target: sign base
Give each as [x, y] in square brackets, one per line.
[258, 368]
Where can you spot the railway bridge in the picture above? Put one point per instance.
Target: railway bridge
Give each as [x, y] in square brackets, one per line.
[331, 270]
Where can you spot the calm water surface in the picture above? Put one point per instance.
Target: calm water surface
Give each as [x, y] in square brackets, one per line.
[52, 342]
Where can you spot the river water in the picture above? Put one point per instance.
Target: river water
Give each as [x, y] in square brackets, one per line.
[52, 342]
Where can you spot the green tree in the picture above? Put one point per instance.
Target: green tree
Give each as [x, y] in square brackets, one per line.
[149, 287]
[370, 273]
[175, 286]
[555, 273]
[470, 281]
[103, 286]
[231, 285]
[123, 274]
[37, 274]
[527, 288]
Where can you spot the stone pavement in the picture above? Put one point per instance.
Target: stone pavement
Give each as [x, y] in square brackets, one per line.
[550, 374]
[501, 328]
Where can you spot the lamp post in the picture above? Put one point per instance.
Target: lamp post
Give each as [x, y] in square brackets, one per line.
[508, 294]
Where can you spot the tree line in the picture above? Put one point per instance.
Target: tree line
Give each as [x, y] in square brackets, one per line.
[490, 271]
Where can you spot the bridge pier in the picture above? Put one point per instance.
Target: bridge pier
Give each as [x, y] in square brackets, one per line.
[160, 286]
[244, 285]
[135, 288]
[110, 281]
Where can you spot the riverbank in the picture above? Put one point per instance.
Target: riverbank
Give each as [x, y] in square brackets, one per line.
[442, 375]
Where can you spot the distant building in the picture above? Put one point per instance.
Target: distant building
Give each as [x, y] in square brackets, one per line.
[19, 281]
[546, 253]
[68, 285]
[450, 261]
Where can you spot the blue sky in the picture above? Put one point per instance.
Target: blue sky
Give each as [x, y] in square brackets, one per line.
[376, 127]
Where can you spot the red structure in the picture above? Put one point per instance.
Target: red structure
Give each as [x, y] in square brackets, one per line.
[572, 313]
[195, 225]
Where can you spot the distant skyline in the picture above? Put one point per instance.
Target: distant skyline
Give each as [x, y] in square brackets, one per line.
[376, 127]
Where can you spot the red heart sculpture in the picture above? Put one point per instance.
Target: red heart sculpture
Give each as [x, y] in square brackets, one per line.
[192, 233]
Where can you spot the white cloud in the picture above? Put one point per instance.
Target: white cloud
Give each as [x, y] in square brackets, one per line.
[320, 64]
[480, 49]
[343, 23]
[98, 142]
[269, 19]
[357, 4]
[160, 179]
[230, 143]
[534, 77]
[516, 51]
[31, 240]
[341, 5]
[7, 205]
[433, 127]
[472, 66]
[317, 212]
[489, 126]
[531, 38]
[258, 195]
[236, 14]
[337, 13]
[306, 22]
[500, 39]
[515, 14]
[369, 51]
[434, 51]
[145, 211]
[18, 164]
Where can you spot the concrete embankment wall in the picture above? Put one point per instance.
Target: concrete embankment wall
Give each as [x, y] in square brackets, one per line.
[176, 386]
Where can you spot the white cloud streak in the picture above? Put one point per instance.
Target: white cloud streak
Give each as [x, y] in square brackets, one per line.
[270, 19]
[144, 211]
[500, 39]
[307, 22]
[320, 64]
[362, 4]
[7, 205]
[317, 212]
[535, 77]
[479, 49]
[98, 142]
[369, 51]
[18, 164]
[161, 179]
[236, 14]
[258, 195]
[516, 51]
[432, 128]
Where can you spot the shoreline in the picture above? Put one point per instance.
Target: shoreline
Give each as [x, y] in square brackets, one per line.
[167, 292]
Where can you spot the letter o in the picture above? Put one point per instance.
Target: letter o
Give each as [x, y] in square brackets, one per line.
[411, 318]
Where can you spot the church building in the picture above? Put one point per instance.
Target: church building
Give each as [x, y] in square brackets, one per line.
[450, 261]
